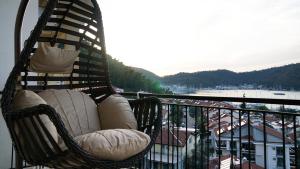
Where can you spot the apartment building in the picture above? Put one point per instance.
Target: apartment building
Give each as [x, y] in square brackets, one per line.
[253, 149]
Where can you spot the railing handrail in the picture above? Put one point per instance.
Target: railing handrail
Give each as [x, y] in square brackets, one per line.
[237, 109]
[214, 98]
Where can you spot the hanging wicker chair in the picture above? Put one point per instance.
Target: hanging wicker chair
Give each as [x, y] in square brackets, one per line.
[76, 19]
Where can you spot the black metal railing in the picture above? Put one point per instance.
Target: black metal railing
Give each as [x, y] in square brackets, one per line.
[208, 132]
[248, 135]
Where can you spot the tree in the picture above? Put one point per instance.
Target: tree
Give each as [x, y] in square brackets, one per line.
[176, 115]
[130, 80]
[202, 151]
[192, 111]
[243, 105]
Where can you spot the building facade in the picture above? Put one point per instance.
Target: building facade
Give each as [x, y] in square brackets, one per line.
[274, 146]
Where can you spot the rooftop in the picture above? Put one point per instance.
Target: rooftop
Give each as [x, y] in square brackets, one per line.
[176, 138]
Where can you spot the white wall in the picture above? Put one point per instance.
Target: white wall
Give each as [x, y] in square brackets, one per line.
[259, 154]
[271, 155]
[8, 12]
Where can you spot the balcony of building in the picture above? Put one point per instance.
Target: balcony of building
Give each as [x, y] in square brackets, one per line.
[192, 127]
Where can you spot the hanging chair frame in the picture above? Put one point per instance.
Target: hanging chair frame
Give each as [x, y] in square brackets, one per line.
[147, 110]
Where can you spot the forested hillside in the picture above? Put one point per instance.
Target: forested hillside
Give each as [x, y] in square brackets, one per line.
[148, 74]
[130, 80]
[284, 77]
[135, 79]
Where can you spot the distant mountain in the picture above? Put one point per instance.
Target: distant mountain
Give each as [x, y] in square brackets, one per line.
[149, 75]
[284, 77]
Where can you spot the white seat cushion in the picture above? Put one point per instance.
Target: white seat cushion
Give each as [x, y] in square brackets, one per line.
[116, 113]
[117, 144]
[77, 110]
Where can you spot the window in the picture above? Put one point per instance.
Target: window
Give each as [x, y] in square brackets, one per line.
[223, 144]
[280, 162]
[245, 146]
[233, 145]
[219, 152]
[165, 149]
[279, 151]
[279, 154]
[234, 152]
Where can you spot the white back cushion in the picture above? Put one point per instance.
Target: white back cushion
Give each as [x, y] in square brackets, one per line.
[116, 113]
[77, 110]
[49, 59]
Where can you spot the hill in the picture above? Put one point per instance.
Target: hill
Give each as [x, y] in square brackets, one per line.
[130, 79]
[284, 77]
[149, 75]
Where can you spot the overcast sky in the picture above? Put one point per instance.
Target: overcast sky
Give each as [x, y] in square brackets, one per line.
[171, 36]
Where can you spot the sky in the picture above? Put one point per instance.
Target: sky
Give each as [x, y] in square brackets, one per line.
[171, 36]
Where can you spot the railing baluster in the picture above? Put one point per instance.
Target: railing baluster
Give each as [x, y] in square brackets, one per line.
[161, 143]
[249, 146]
[219, 139]
[196, 133]
[240, 137]
[154, 163]
[283, 141]
[295, 141]
[143, 162]
[135, 165]
[231, 139]
[140, 164]
[173, 120]
[186, 142]
[207, 138]
[150, 160]
[265, 140]
[168, 136]
[177, 143]
[201, 137]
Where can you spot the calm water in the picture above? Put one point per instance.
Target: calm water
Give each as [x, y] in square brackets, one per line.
[250, 93]
[253, 94]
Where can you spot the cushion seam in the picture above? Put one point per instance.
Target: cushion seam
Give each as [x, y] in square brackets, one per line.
[75, 111]
[62, 110]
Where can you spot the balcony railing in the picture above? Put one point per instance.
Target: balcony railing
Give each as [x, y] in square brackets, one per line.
[194, 126]
[246, 134]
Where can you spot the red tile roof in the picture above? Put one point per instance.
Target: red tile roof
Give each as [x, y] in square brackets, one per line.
[273, 132]
[175, 138]
[213, 163]
[246, 138]
[269, 131]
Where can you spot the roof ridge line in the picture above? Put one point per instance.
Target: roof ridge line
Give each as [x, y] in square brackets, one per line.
[175, 136]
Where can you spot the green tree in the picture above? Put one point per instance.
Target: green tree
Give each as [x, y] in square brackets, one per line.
[192, 111]
[202, 151]
[176, 114]
[262, 107]
[130, 80]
